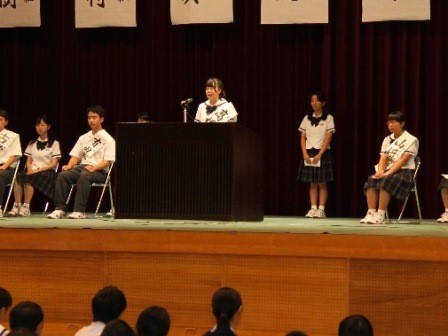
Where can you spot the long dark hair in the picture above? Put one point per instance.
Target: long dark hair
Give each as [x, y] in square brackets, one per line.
[225, 303]
[46, 119]
[323, 99]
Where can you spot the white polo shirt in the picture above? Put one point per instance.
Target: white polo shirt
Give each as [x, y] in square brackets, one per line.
[9, 146]
[315, 135]
[93, 149]
[43, 157]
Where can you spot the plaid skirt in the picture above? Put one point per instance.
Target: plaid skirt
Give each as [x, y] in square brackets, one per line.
[324, 173]
[44, 181]
[443, 183]
[398, 185]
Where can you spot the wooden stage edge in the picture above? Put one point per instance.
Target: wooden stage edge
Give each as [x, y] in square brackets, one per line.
[228, 243]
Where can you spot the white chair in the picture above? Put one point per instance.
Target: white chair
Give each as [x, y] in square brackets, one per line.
[106, 184]
[413, 190]
[11, 186]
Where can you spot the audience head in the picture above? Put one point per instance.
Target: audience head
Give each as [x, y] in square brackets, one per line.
[296, 333]
[226, 307]
[5, 302]
[98, 109]
[143, 118]
[117, 328]
[108, 304]
[153, 321]
[355, 325]
[217, 85]
[27, 314]
[22, 332]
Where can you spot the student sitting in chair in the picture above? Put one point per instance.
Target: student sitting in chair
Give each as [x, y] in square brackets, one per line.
[394, 171]
[90, 159]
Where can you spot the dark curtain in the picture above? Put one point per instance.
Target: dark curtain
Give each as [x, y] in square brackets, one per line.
[366, 70]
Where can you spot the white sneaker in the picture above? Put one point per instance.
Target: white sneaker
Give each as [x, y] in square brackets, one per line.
[24, 211]
[443, 218]
[377, 219]
[56, 214]
[310, 213]
[111, 213]
[77, 215]
[319, 213]
[15, 210]
[369, 217]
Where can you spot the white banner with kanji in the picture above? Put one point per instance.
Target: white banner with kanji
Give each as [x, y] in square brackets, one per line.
[201, 11]
[395, 10]
[19, 13]
[105, 13]
[294, 11]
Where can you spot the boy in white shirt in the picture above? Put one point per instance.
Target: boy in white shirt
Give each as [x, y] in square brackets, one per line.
[89, 162]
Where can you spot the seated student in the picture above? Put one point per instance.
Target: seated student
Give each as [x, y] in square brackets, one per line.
[395, 169]
[10, 151]
[444, 192]
[216, 108]
[27, 314]
[5, 304]
[143, 118]
[226, 307]
[153, 321]
[90, 158]
[108, 304]
[355, 325]
[43, 154]
[117, 328]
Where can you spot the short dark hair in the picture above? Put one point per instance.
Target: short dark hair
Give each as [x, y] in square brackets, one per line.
[296, 333]
[5, 298]
[4, 114]
[26, 314]
[97, 109]
[355, 325]
[108, 304]
[144, 116]
[153, 321]
[22, 332]
[397, 116]
[117, 328]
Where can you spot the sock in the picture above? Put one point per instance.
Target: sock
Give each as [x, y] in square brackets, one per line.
[314, 207]
[322, 207]
[446, 210]
[381, 212]
[26, 205]
[372, 211]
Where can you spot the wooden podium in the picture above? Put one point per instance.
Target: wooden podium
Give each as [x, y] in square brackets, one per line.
[189, 171]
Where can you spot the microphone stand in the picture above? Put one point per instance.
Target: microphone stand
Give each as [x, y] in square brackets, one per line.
[185, 107]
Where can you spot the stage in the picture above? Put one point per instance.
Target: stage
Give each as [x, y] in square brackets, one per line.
[292, 272]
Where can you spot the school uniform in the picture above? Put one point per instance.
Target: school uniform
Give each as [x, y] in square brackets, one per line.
[222, 111]
[3, 331]
[9, 146]
[316, 130]
[443, 183]
[94, 329]
[398, 184]
[91, 149]
[41, 154]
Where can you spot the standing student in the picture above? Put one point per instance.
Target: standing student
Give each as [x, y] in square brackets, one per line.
[89, 163]
[444, 193]
[10, 151]
[43, 153]
[216, 108]
[316, 131]
[394, 171]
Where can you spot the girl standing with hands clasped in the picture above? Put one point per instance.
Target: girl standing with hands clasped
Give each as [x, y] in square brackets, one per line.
[43, 154]
[317, 130]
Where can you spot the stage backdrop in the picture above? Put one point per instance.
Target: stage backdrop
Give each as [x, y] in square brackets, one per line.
[366, 69]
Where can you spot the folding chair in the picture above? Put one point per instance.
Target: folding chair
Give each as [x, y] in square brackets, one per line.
[104, 185]
[11, 186]
[414, 190]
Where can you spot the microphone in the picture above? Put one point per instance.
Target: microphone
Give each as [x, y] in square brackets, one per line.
[186, 101]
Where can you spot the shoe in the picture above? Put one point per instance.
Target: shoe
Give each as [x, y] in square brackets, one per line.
[15, 210]
[56, 214]
[111, 213]
[77, 215]
[24, 211]
[443, 218]
[1, 212]
[310, 213]
[377, 219]
[369, 217]
[319, 213]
